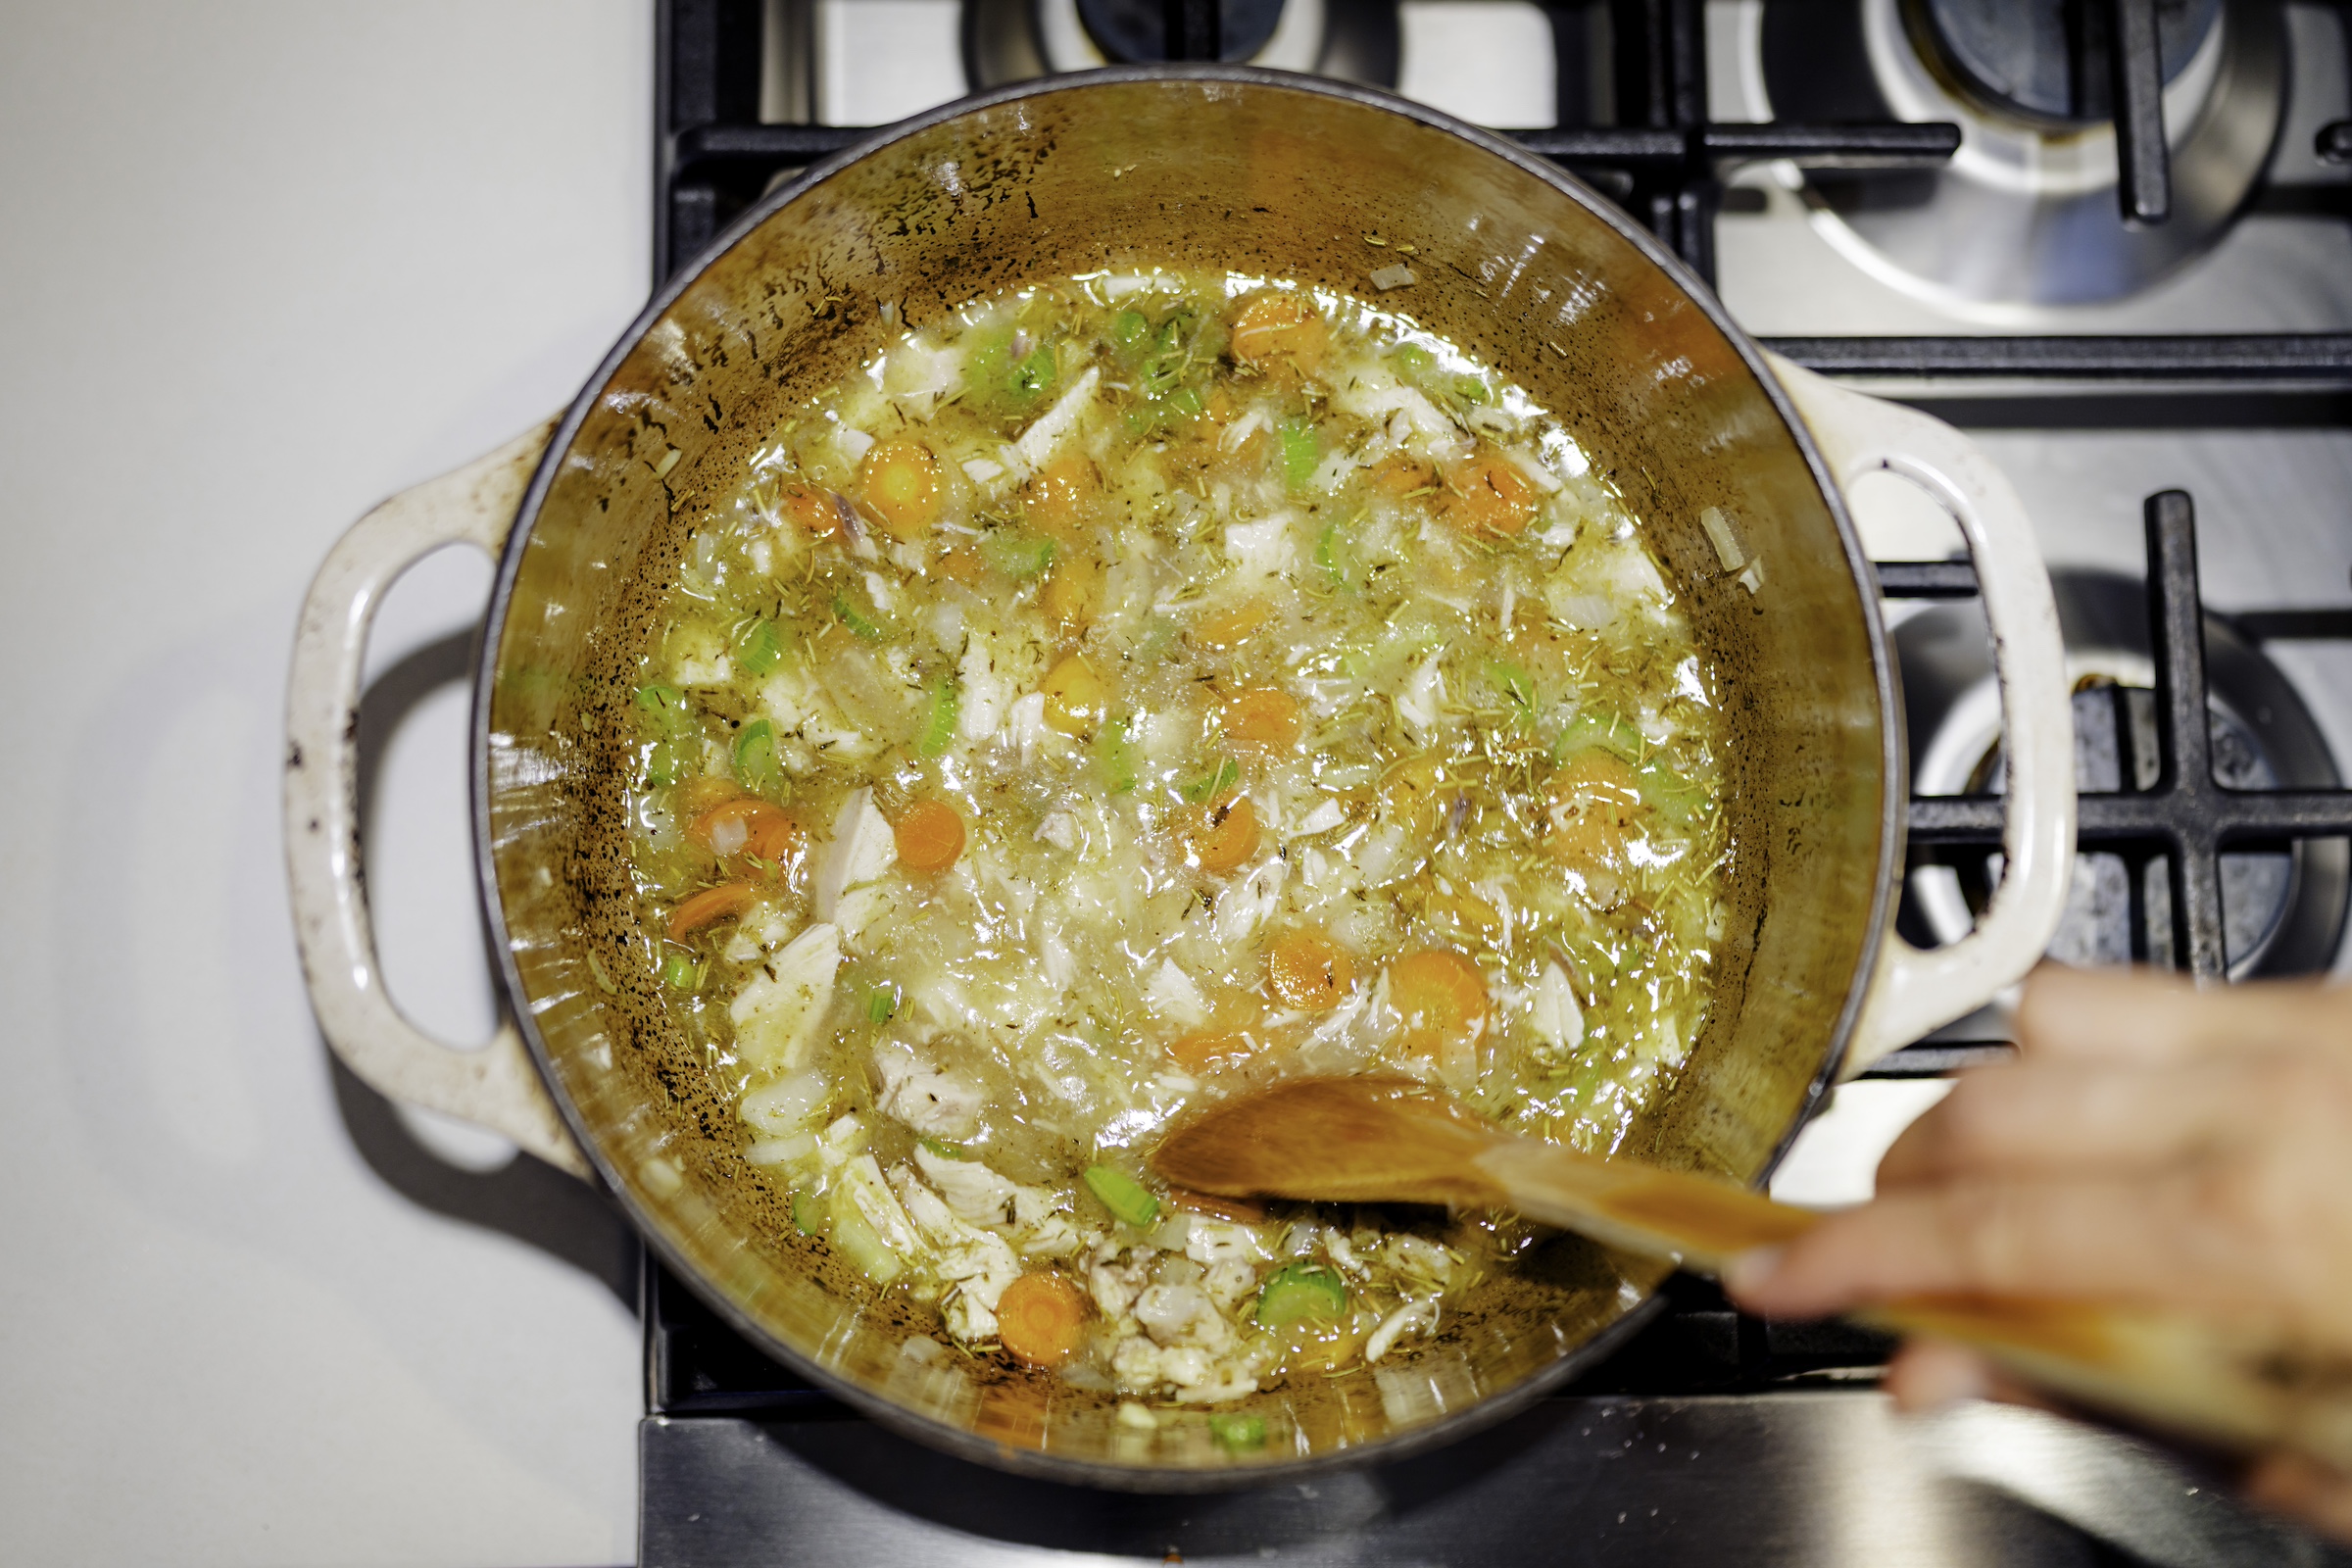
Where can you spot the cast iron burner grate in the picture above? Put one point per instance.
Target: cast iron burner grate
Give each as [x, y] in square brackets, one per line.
[2188, 817]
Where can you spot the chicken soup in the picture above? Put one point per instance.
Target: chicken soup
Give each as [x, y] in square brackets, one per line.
[1128, 690]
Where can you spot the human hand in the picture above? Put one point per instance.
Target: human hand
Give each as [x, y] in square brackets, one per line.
[2152, 1144]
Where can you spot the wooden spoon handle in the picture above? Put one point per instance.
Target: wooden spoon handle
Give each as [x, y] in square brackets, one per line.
[2180, 1374]
[1699, 1222]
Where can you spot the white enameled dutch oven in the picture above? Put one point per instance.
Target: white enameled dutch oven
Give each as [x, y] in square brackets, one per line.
[1203, 167]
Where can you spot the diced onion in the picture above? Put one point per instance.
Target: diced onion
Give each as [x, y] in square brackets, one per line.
[1718, 530]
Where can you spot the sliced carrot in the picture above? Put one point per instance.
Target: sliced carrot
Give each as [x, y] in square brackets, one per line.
[1400, 475]
[746, 825]
[1308, 972]
[1074, 696]
[929, 835]
[964, 565]
[812, 509]
[1418, 794]
[1240, 1211]
[1280, 325]
[698, 795]
[1466, 909]
[1230, 625]
[1062, 499]
[1443, 998]
[1041, 1318]
[1490, 495]
[1265, 720]
[1222, 835]
[899, 484]
[726, 902]
[1205, 1048]
[1073, 589]
[1594, 802]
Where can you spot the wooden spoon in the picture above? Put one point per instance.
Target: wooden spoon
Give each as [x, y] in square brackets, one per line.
[1384, 1139]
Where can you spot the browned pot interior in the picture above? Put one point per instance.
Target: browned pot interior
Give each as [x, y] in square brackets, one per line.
[1213, 170]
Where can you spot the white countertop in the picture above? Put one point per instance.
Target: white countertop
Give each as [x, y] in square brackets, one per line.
[263, 264]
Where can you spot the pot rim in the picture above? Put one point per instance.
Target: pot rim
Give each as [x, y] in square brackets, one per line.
[1448, 1428]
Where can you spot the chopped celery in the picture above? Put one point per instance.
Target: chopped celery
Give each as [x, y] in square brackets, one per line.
[1237, 1432]
[1008, 385]
[1674, 797]
[944, 1150]
[755, 763]
[1156, 414]
[1128, 328]
[939, 720]
[880, 1003]
[665, 706]
[1602, 731]
[1030, 375]
[1297, 1291]
[680, 972]
[1175, 333]
[1300, 452]
[859, 1241]
[1016, 555]
[669, 760]
[761, 648]
[1126, 1198]
[1224, 776]
[1514, 683]
[1115, 752]
[1413, 360]
[847, 614]
[1470, 389]
[807, 1217]
[1335, 558]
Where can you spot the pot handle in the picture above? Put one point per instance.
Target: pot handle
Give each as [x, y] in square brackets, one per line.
[1916, 991]
[497, 1086]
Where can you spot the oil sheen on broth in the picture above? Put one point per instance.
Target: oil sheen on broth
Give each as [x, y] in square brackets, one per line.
[1128, 690]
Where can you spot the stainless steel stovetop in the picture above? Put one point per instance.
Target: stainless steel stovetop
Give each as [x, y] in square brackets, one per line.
[1986, 275]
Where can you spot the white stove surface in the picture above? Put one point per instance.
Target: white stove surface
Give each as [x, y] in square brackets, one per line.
[263, 265]
[268, 265]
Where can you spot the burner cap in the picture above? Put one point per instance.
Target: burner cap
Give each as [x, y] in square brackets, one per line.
[2044, 60]
[1135, 31]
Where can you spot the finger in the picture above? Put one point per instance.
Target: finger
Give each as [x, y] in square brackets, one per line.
[2057, 1117]
[2102, 1240]
[2143, 1016]
[2303, 1489]
[1926, 1375]
[1929, 1374]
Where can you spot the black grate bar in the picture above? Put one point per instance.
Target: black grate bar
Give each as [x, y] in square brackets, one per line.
[1924, 579]
[2236, 357]
[1940, 1059]
[2235, 817]
[763, 149]
[1195, 29]
[2143, 168]
[2176, 620]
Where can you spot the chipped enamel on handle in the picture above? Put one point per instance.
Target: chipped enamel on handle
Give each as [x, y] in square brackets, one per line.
[496, 1087]
[1916, 991]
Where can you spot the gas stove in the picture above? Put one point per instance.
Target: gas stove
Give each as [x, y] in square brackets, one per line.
[2111, 240]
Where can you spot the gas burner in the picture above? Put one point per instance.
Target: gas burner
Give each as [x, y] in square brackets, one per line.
[2027, 214]
[1015, 40]
[2283, 908]
[2046, 63]
[1136, 32]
